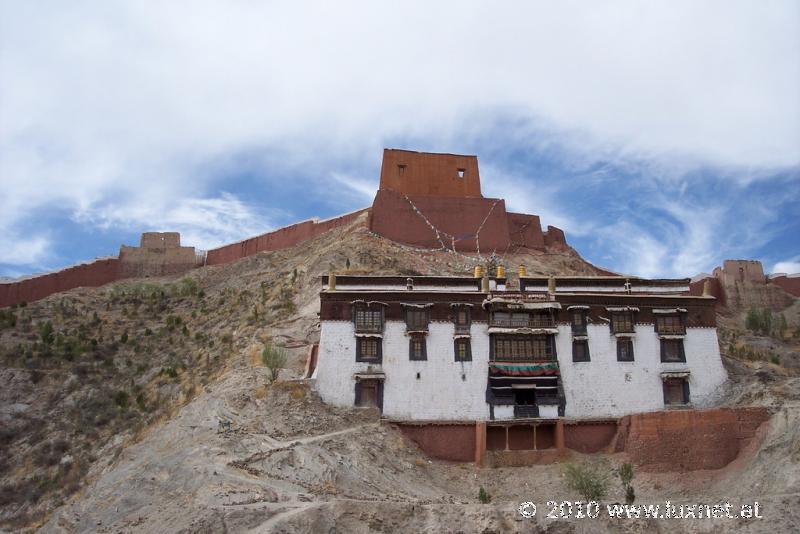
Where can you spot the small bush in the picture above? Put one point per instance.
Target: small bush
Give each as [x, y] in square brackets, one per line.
[625, 474]
[121, 399]
[483, 496]
[589, 482]
[46, 332]
[274, 358]
[169, 371]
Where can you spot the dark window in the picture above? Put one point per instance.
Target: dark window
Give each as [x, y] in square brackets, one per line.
[580, 350]
[676, 391]
[523, 348]
[669, 324]
[622, 322]
[416, 348]
[368, 349]
[624, 349]
[463, 352]
[368, 320]
[578, 321]
[522, 320]
[369, 394]
[401, 170]
[672, 350]
[416, 319]
[461, 319]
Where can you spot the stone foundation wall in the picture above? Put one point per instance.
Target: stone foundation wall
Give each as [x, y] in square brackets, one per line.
[452, 442]
[688, 440]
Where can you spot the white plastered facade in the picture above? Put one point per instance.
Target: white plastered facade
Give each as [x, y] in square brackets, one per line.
[451, 390]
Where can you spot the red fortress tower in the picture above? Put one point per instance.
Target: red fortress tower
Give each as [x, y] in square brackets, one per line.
[434, 200]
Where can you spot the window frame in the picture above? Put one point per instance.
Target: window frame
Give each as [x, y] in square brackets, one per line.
[626, 341]
[671, 329]
[466, 326]
[579, 328]
[412, 356]
[423, 325]
[360, 340]
[586, 355]
[685, 392]
[681, 350]
[468, 351]
[615, 323]
[368, 326]
[522, 347]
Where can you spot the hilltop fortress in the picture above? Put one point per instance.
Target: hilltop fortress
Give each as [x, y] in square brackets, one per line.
[424, 200]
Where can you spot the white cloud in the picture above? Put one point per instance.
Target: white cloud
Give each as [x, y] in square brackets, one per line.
[789, 266]
[109, 108]
[203, 222]
[25, 250]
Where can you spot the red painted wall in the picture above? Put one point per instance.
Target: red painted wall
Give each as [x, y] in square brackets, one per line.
[453, 442]
[790, 285]
[283, 238]
[589, 437]
[714, 286]
[93, 274]
[427, 174]
[687, 440]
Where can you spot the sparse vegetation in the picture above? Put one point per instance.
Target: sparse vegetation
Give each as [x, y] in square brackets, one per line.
[483, 496]
[590, 482]
[274, 358]
[625, 474]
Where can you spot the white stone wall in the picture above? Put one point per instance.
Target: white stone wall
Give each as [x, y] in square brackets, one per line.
[440, 393]
[600, 387]
[607, 387]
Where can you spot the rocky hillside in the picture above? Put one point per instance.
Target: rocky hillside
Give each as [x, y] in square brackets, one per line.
[111, 401]
[84, 374]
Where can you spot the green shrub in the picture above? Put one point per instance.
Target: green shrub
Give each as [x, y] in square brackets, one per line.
[588, 481]
[274, 358]
[121, 399]
[46, 332]
[625, 474]
[169, 371]
[483, 496]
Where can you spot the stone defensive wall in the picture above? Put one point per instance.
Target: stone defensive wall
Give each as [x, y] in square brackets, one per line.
[742, 284]
[788, 282]
[97, 273]
[158, 254]
[285, 237]
[434, 201]
[673, 440]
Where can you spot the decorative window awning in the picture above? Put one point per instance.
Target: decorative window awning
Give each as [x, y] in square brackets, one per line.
[625, 334]
[369, 376]
[669, 310]
[577, 307]
[369, 303]
[674, 374]
[358, 334]
[457, 304]
[622, 308]
[410, 305]
[524, 369]
[524, 305]
[528, 331]
[461, 336]
[671, 336]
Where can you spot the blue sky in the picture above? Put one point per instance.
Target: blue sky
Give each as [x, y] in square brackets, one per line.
[663, 137]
